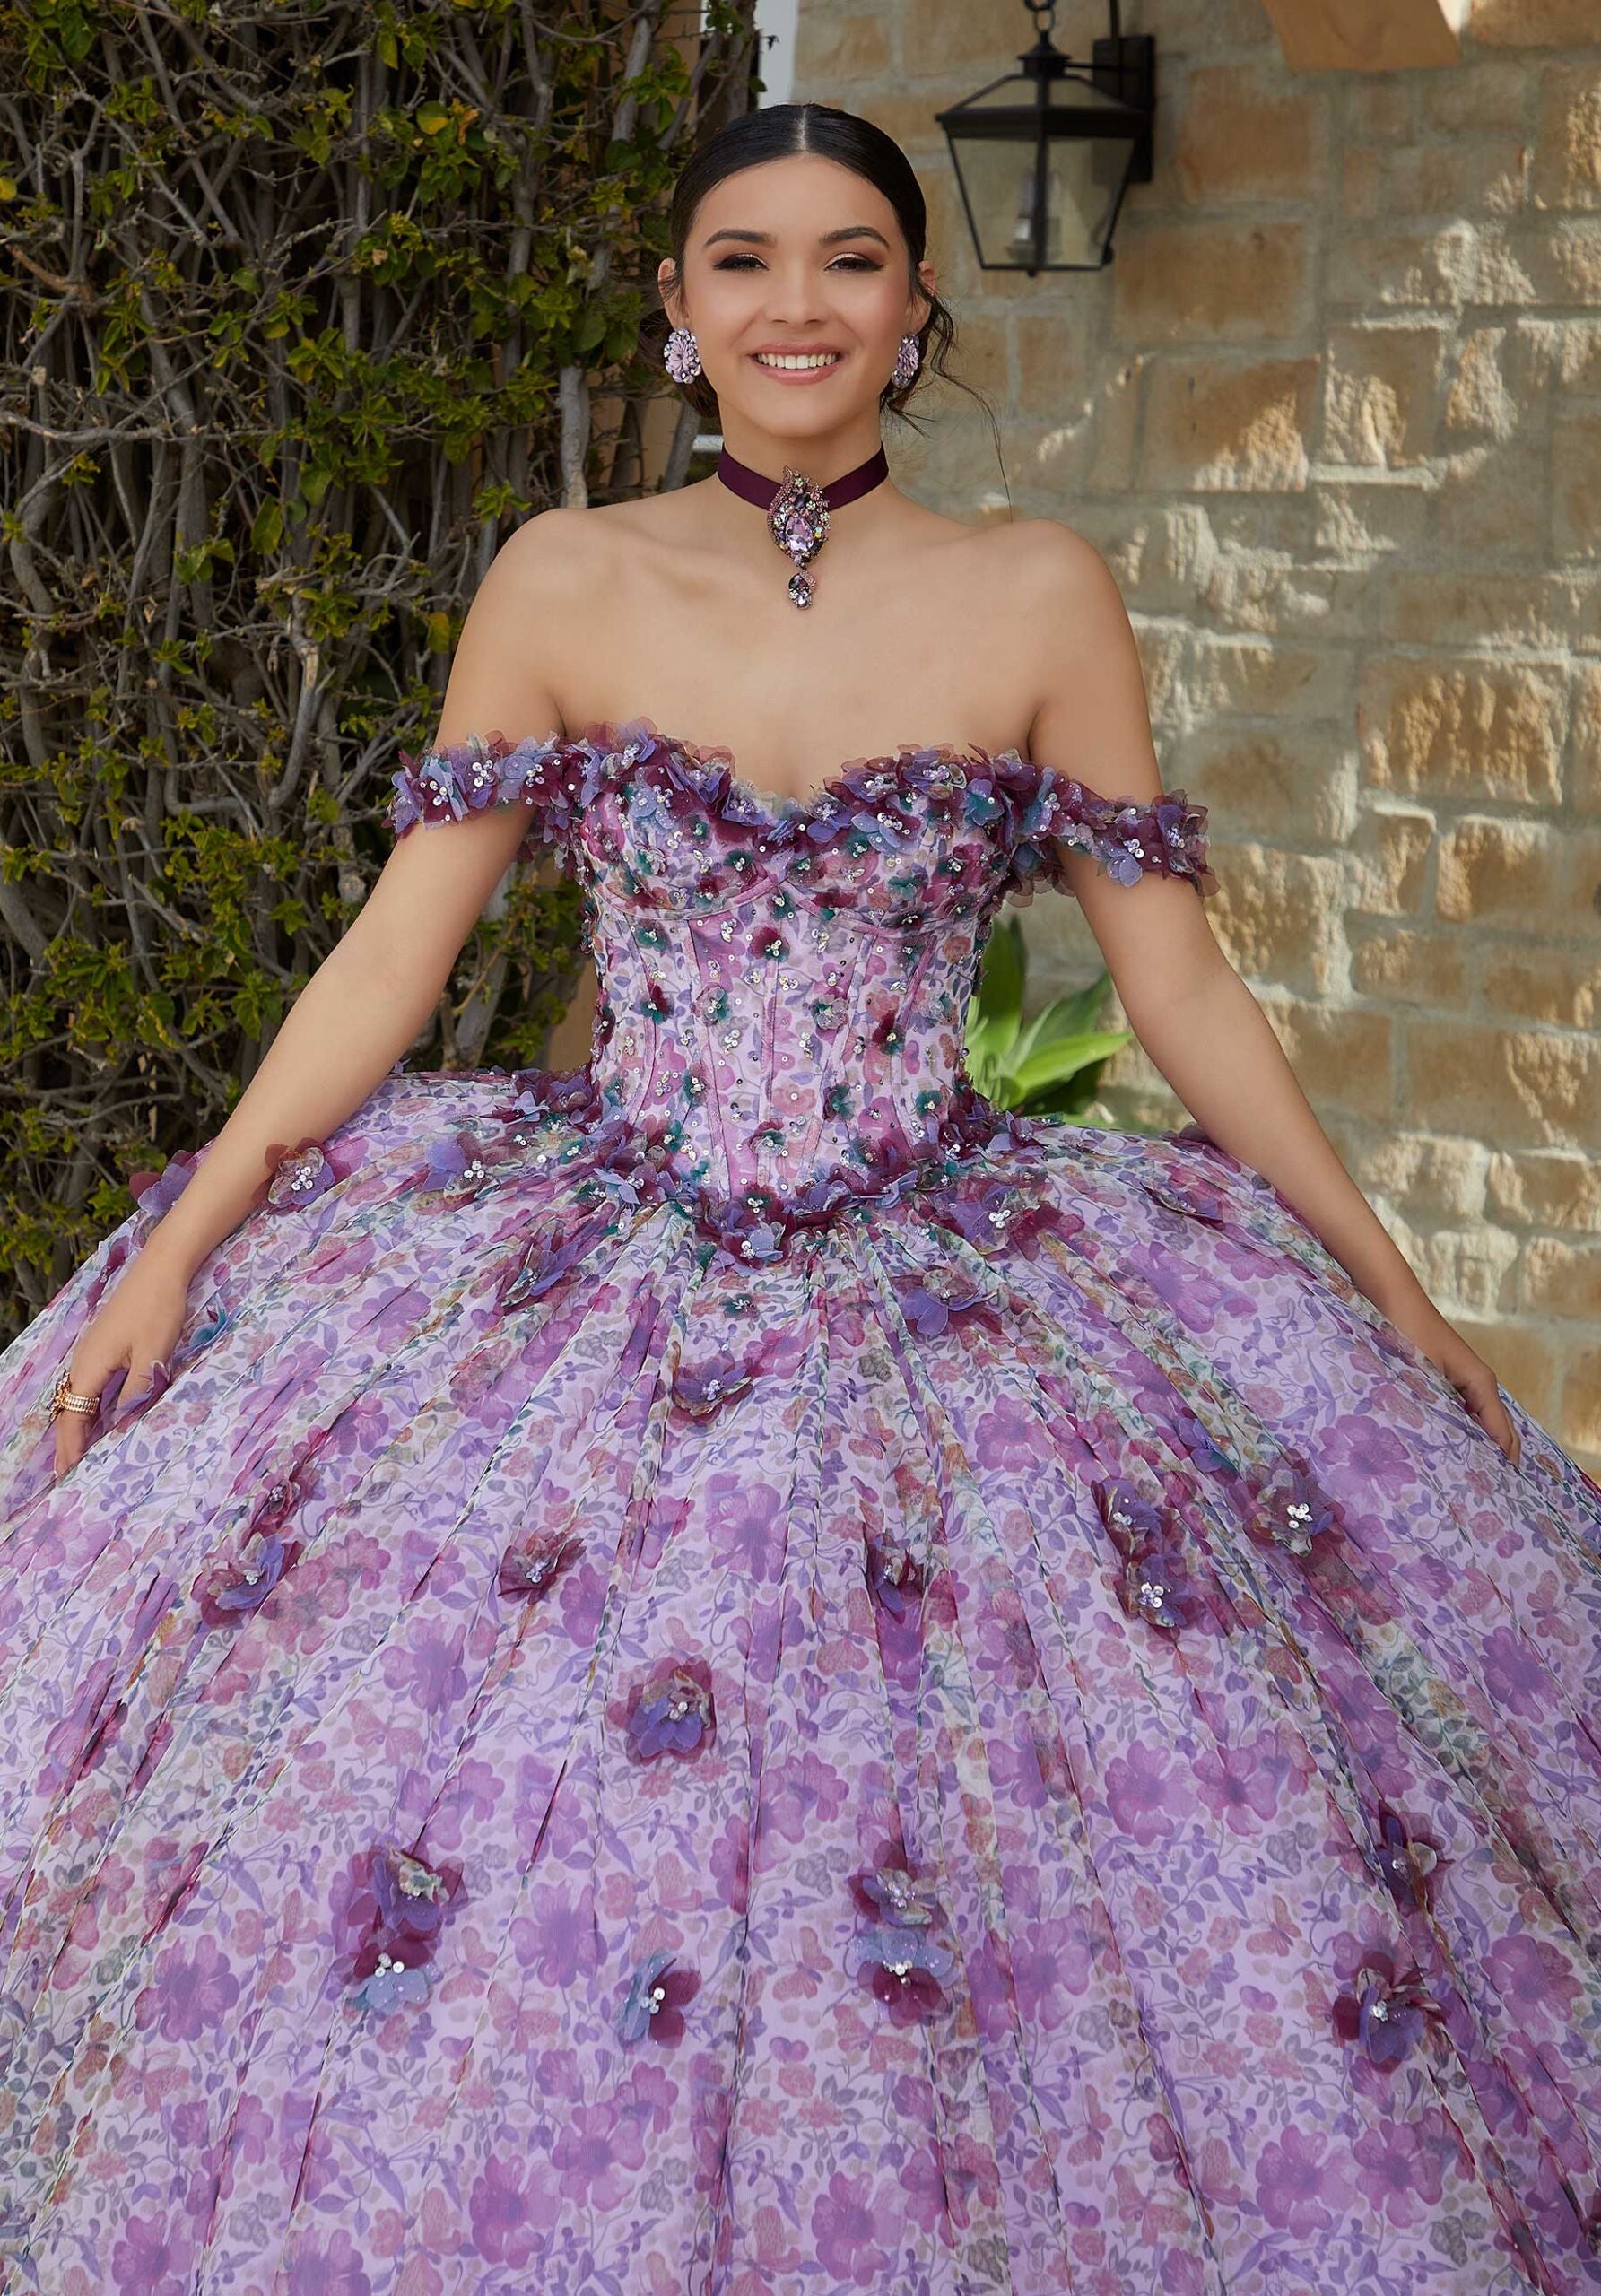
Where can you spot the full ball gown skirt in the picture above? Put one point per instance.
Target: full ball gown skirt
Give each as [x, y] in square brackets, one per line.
[733, 1672]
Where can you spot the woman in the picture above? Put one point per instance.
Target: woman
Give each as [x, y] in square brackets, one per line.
[734, 1671]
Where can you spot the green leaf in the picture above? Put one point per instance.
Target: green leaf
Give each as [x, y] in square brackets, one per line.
[997, 1003]
[1068, 1058]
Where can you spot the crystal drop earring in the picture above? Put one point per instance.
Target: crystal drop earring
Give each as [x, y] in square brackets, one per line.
[907, 360]
[680, 355]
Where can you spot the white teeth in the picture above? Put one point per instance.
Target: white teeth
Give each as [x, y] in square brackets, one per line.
[796, 358]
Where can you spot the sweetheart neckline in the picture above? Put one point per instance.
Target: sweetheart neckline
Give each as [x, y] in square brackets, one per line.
[606, 737]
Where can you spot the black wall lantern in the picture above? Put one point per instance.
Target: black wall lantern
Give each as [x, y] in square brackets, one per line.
[1044, 156]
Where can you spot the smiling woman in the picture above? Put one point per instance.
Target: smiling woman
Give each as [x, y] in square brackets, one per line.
[737, 1670]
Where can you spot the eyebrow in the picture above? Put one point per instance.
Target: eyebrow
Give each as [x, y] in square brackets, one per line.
[824, 239]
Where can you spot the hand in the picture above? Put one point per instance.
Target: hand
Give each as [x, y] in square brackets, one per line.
[1467, 1371]
[137, 1331]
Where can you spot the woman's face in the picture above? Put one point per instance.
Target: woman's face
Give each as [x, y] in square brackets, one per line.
[797, 254]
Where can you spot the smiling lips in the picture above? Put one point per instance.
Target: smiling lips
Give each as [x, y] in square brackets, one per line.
[797, 362]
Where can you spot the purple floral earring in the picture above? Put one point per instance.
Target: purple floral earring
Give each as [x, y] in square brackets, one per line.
[907, 360]
[682, 355]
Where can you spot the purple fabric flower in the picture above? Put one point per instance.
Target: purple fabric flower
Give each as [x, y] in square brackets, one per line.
[654, 2008]
[996, 1214]
[461, 1163]
[672, 1711]
[299, 1175]
[1288, 1510]
[285, 1490]
[156, 1192]
[1198, 1445]
[528, 1569]
[1155, 1582]
[703, 1389]
[236, 1591]
[890, 1894]
[895, 1580]
[928, 1311]
[903, 1968]
[1409, 1860]
[547, 1261]
[1385, 2009]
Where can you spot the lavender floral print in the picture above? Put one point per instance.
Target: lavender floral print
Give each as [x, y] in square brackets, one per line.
[736, 1674]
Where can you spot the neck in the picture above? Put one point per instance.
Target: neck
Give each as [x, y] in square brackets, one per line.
[823, 458]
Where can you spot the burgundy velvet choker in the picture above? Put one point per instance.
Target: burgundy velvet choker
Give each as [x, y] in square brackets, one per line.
[797, 510]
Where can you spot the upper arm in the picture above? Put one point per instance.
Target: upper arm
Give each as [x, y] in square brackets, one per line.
[438, 878]
[1092, 723]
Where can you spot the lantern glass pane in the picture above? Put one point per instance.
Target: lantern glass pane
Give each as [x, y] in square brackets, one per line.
[1085, 176]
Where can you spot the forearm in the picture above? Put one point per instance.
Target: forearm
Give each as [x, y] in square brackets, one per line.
[342, 1036]
[1217, 1049]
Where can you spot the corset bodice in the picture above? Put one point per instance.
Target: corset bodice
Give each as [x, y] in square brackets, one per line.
[783, 982]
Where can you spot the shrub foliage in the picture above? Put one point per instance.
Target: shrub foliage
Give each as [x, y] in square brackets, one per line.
[306, 307]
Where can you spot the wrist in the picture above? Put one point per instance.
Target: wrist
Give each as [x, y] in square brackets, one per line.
[167, 1251]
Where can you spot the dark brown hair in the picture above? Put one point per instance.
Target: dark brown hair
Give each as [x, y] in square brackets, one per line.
[774, 133]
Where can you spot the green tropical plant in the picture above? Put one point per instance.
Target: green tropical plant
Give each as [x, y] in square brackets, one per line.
[1052, 1065]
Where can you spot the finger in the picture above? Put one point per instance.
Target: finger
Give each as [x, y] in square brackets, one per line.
[85, 1377]
[73, 1430]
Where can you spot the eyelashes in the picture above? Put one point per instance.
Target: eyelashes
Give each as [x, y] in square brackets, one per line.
[738, 262]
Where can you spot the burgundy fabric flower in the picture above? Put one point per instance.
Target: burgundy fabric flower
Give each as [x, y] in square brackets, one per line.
[896, 1954]
[654, 2008]
[672, 1711]
[528, 1569]
[903, 1969]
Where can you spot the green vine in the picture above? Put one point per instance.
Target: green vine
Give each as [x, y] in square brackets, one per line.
[292, 290]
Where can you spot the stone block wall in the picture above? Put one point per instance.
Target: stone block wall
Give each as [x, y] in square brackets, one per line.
[1333, 415]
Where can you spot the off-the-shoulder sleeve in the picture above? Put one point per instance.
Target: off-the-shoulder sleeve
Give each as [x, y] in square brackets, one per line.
[1130, 838]
[444, 784]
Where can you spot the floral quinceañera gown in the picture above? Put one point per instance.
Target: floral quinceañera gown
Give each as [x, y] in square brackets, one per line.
[735, 1671]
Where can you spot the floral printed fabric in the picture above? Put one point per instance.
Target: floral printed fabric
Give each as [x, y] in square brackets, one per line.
[737, 1674]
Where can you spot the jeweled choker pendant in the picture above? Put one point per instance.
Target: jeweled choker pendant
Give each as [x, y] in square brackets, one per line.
[798, 513]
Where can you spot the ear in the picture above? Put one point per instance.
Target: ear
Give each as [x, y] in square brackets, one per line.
[921, 307]
[667, 287]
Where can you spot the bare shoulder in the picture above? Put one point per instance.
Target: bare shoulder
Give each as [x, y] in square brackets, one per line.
[543, 558]
[1055, 566]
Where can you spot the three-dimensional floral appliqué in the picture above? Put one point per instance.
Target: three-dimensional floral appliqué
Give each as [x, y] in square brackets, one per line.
[898, 1954]
[653, 2009]
[390, 1923]
[672, 1711]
